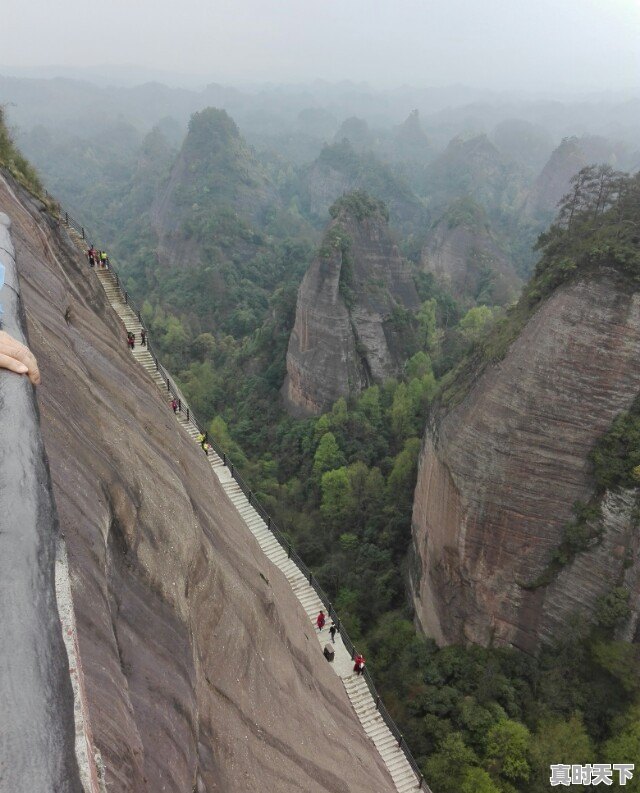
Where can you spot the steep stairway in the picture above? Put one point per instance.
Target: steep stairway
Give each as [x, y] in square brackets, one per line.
[366, 708]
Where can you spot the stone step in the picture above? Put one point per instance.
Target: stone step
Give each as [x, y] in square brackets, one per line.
[409, 782]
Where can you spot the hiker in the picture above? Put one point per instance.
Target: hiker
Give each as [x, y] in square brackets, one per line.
[204, 440]
[104, 259]
[91, 255]
[206, 447]
[332, 632]
[143, 337]
[359, 663]
[174, 405]
[320, 620]
[17, 358]
[131, 340]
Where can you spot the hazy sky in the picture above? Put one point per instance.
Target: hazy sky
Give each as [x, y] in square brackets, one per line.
[538, 44]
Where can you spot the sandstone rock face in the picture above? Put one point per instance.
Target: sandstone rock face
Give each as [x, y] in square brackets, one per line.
[473, 167]
[554, 179]
[340, 169]
[202, 671]
[344, 337]
[500, 471]
[467, 260]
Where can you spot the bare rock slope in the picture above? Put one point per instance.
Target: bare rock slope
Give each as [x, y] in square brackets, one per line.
[466, 259]
[345, 335]
[202, 671]
[500, 471]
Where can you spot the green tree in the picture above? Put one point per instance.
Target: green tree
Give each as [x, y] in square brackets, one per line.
[564, 741]
[328, 455]
[429, 336]
[367, 490]
[507, 750]
[369, 405]
[613, 608]
[418, 365]
[475, 322]
[403, 413]
[624, 746]
[219, 432]
[447, 768]
[401, 480]
[477, 780]
[620, 660]
[335, 505]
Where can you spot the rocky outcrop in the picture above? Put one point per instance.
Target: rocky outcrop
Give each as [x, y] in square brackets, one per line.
[472, 167]
[345, 335]
[216, 191]
[501, 470]
[201, 669]
[523, 142]
[409, 141]
[340, 168]
[466, 259]
[554, 181]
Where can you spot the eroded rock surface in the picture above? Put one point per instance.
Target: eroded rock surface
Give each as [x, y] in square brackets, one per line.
[500, 472]
[202, 671]
[345, 336]
[466, 259]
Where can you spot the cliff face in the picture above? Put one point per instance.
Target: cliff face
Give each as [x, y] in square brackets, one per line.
[500, 472]
[554, 181]
[473, 167]
[36, 699]
[202, 671]
[341, 168]
[465, 257]
[344, 337]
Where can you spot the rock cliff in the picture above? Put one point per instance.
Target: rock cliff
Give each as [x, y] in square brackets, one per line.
[216, 192]
[340, 168]
[466, 259]
[504, 462]
[473, 167]
[202, 671]
[346, 334]
[553, 182]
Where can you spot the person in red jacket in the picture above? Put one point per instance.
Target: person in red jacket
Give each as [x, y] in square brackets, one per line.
[358, 664]
[320, 620]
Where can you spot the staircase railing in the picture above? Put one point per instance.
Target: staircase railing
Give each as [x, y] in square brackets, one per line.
[174, 392]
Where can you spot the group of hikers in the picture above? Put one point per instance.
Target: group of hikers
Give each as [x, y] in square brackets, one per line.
[97, 257]
[203, 440]
[131, 339]
[358, 659]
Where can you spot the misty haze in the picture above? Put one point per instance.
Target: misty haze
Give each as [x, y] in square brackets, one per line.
[320, 396]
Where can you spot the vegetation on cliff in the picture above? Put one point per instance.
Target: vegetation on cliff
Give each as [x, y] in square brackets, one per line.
[15, 162]
[597, 227]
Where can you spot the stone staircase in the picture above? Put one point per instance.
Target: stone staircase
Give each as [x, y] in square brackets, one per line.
[402, 774]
